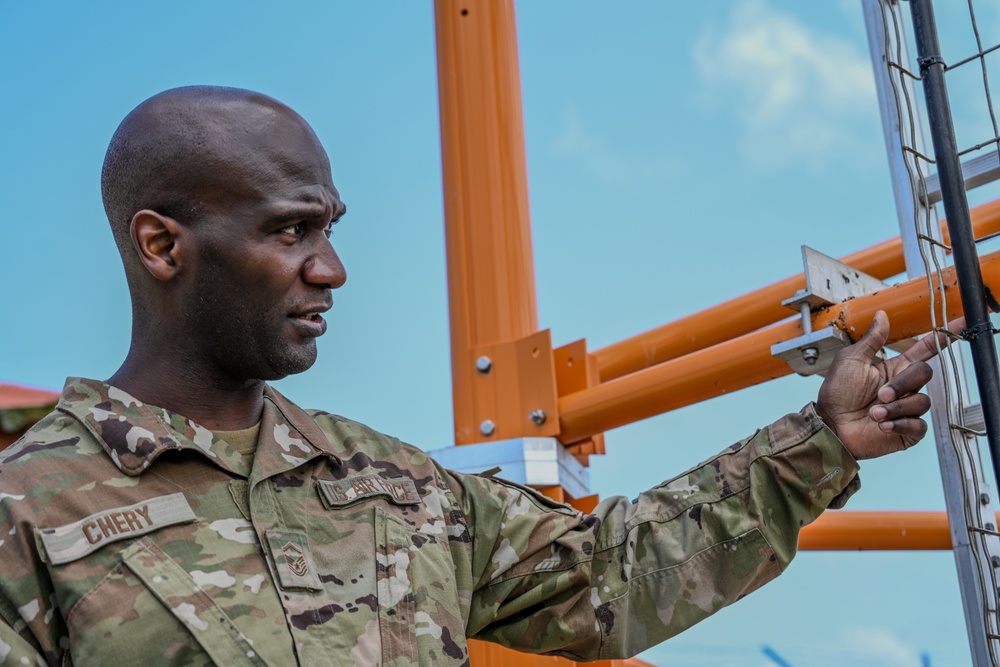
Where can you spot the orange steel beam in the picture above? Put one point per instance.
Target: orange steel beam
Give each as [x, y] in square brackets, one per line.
[746, 361]
[754, 310]
[844, 530]
[491, 273]
[482, 653]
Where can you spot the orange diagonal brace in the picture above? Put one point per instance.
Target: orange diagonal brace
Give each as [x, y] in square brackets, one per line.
[852, 531]
[753, 310]
[746, 361]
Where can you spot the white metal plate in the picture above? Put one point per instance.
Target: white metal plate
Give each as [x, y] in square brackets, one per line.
[530, 461]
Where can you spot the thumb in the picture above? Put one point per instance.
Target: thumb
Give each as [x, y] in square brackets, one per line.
[874, 339]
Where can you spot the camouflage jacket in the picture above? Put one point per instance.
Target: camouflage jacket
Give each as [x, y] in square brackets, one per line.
[130, 535]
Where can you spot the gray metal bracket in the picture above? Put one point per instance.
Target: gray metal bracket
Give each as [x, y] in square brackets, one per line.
[828, 282]
[530, 461]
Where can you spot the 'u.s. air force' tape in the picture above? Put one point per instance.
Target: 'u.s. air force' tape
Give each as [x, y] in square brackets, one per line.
[399, 490]
[80, 538]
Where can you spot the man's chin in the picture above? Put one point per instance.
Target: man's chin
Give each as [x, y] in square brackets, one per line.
[296, 361]
[270, 364]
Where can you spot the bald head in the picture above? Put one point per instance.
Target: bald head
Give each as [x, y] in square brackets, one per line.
[183, 150]
[221, 201]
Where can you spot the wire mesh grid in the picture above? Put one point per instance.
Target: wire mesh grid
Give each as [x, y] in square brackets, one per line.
[932, 250]
[980, 57]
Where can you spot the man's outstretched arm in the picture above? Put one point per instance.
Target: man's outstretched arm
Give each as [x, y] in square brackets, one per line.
[610, 584]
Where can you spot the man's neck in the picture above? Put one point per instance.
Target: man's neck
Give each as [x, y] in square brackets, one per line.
[206, 400]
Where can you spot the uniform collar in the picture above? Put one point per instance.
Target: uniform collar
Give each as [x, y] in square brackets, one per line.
[134, 433]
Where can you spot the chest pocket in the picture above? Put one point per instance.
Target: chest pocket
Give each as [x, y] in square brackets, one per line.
[179, 593]
[148, 610]
[419, 614]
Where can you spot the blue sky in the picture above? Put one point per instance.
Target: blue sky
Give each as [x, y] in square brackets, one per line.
[679, 154]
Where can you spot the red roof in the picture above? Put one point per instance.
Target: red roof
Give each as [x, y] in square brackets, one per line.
[17, 397]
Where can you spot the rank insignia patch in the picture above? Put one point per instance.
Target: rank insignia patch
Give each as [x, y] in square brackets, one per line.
[293, 561]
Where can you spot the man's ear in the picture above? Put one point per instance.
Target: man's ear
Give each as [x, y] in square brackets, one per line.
[155, 237]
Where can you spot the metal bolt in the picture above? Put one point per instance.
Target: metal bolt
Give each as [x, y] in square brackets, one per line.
[810, 354]
[984, 498]
[995, 560]
[990, 527]
[484, 364]
[487, 427]
[806, 313]
[538, 416]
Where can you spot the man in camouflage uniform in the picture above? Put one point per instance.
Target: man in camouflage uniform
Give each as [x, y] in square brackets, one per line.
[184, 512]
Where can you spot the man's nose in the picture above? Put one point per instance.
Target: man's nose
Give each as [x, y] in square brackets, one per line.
[324, 269]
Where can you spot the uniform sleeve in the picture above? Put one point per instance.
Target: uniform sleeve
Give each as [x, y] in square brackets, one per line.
[15, 648]
[549, 579]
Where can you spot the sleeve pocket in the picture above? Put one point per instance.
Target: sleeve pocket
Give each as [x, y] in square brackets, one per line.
[419, 616]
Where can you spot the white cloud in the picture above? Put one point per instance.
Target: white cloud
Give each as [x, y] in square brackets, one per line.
[879, 646]
[797, 92]
[607, 165]
[849, 7]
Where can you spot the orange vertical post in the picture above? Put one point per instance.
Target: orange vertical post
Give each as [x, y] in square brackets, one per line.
[491, 275]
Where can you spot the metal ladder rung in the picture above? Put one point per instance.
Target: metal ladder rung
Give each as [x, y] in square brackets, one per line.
[976, 171]
[972, 415]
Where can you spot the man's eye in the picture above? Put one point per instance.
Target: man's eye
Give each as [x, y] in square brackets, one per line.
[328, 230]
[294, 230]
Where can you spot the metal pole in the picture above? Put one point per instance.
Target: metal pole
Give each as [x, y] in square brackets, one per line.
[959, 472]
[979, 330]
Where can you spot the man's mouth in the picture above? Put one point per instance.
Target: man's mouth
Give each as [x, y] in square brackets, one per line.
[309, 323]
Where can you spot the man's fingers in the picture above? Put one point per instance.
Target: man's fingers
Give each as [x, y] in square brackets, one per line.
[925, 348]
[907, 381]
[874, 339]
[913, 405]
[911, 429]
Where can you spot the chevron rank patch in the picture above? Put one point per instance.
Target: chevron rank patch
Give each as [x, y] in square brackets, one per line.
[293, 561]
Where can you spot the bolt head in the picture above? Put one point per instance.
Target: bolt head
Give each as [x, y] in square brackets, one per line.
[984, 498]
[538, 416]
[990, 527]
[995, 560]
[811, 355]
[484, 364]
[487, 427]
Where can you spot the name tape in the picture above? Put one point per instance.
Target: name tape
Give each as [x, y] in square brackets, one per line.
[399, 490]
[81, 538]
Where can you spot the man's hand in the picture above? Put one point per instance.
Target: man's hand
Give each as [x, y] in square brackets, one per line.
[874, 407]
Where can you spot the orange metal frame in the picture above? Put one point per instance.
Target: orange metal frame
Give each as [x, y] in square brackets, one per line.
[756, 309]
[881, 531]
[746, 361]
[493, 311]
